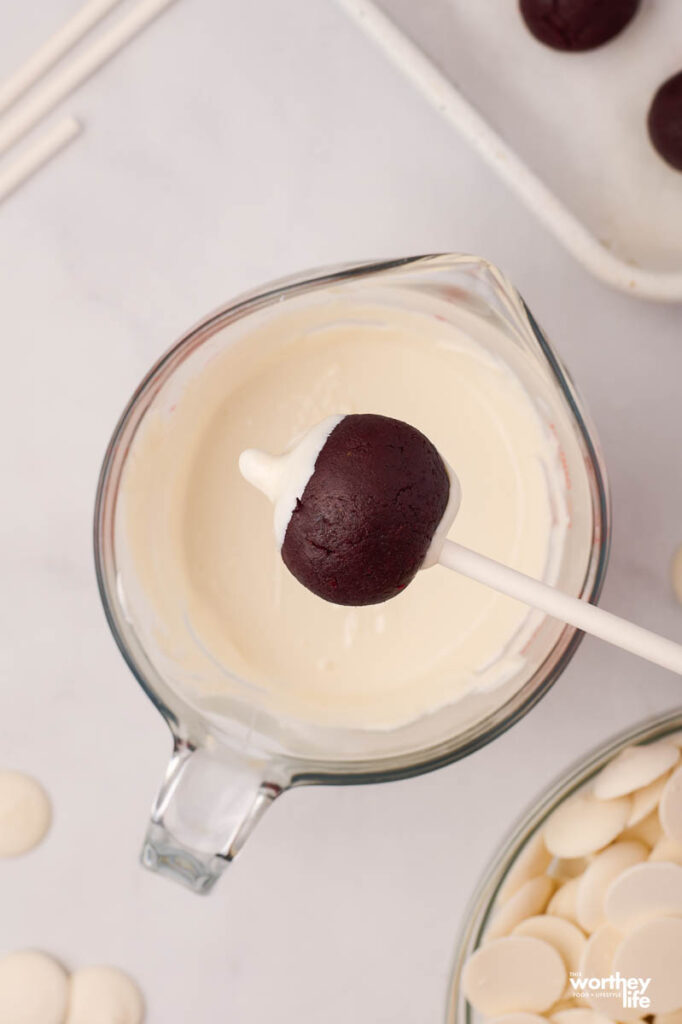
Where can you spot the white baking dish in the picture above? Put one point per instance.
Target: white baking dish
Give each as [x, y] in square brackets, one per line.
[567, 132]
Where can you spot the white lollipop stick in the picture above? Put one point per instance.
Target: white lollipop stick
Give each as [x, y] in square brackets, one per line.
[36, 155]
[572, 610]
[26, 115]
[44, 58]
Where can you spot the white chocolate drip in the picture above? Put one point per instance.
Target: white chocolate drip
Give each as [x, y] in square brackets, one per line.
[283, 478]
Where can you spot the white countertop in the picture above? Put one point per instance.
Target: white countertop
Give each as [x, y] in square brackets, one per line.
[230, 144]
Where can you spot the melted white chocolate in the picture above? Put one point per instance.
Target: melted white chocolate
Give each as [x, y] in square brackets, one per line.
[195, 545]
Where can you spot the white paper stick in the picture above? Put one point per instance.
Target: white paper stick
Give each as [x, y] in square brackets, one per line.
[46, 96]
[47, 55]
[562, 606]
[37, 154]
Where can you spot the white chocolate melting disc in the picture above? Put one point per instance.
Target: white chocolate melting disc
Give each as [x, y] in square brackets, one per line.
[104, 995]
[24, 813]
[579, 1015]
[634, 768]
[512, 975]
[563, 936]
[669, 850]
[583, 825]
[566, 868]
[644, 891]
[563, 1004]
[533, 860]
[597, 962]
[529, 900]
[646, 800]
[647, 831]
[670, 810]
[33, 989]
[564, 902]
[605, 867]
[654, 950]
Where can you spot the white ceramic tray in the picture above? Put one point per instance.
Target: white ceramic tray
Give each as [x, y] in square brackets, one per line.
[567, 132]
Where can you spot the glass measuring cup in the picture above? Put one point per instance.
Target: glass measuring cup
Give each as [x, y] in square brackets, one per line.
[233, 756]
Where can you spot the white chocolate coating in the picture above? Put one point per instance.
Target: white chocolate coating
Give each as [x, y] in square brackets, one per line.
[584, 825]
[283, 478]
[634, 768]
[514, 974]
[654, 950]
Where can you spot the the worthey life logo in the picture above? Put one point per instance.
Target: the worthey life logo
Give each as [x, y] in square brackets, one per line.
[632, 990]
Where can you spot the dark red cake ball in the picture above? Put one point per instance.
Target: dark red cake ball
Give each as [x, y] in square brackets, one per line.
[665, 121]
[577, 24]
[365, 521]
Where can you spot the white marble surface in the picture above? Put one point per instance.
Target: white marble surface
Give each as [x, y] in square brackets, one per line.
[232, 143]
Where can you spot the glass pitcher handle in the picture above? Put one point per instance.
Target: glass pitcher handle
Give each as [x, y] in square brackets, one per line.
[205, 810]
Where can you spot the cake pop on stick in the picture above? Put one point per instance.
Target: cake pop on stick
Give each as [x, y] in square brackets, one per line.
[363, 502]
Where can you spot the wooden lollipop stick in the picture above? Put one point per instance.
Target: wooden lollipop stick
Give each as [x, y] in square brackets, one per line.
[572, 610]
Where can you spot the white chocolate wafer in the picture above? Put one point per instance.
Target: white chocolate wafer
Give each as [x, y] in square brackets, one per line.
[598, 963]
[583, 825]
[563, 1004]
[533, 860]
[647, 831]
[514, 974]
[634, 768]
[670, 809]
[565, 937]
[592, 886]
[529, 900]
[104, 995]
[33, 989]
[654, 950]
[564, 902]
[669, 850]
[642, 892]
[24, 813]
[646, 800]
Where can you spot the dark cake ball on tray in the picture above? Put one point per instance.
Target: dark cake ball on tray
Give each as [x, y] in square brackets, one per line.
[576, 25]
[665, 121]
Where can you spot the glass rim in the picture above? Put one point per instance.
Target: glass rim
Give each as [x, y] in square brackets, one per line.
[477, 912]
[176, 711]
